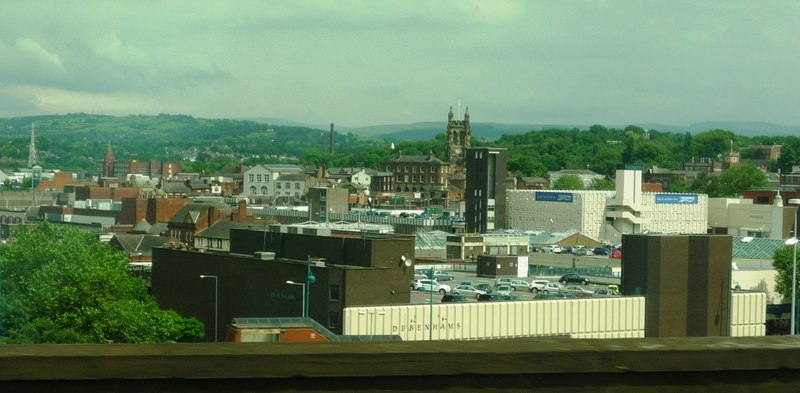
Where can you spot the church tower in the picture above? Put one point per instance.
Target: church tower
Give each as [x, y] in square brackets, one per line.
[458, 138]
[108, 162]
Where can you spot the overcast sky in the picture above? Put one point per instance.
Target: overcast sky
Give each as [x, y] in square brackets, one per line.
[359, 63]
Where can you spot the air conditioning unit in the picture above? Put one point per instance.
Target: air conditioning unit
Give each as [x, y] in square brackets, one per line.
[265, 255]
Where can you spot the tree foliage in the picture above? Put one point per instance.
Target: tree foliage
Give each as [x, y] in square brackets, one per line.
[782, 261]
[62, 285]
[568, 182]
[736, 180]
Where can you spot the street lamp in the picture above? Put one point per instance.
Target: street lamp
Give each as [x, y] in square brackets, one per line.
[793, 242]
[216, 302]
[310, 279]
[303, 305]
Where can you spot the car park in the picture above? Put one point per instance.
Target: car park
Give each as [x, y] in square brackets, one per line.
[502, 281]
[485, 287]
[571, 278]
[467, 290]
[578, 250]
[428, 285]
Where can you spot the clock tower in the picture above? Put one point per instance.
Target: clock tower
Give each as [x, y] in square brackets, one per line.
[458, 138]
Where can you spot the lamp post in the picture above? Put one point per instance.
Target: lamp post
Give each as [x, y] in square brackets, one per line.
[310, 279]
[216, 302]
[792, 330]
[302, 284]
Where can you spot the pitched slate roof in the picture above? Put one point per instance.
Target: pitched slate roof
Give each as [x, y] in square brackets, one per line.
[221, 229]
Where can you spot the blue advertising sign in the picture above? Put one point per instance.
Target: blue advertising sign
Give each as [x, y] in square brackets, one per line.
[554, 196]
[677, 198]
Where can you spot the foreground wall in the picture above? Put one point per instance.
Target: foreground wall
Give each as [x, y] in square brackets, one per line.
[695, 364]
[613, 317]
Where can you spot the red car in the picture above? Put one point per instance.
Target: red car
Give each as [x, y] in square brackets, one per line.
[616, 253]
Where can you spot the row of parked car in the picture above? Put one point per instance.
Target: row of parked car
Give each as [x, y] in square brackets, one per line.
[614, 252]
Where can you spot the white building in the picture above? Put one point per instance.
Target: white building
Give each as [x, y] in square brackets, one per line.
[740, 217]
[605, 215]
[270, 180]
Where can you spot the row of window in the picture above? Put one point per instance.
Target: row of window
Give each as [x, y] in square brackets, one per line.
[257, 177]
[413, 169]
[265, 191]
[422, 178]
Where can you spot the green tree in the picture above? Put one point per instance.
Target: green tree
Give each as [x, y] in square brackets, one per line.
[739, 179]
[782, 261]
[568, 182]
[602, 184]
[62, 285]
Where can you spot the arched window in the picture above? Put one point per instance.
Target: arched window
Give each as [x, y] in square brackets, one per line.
[253, 190]
[264, 190]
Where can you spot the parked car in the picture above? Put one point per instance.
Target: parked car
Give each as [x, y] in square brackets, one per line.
[552, 287]
[502, 281]
[485, 288]
[616, 253]
[552, 249]
[468, 290]
[573, 278]
[601, 251]
[578, 250]
[428, 285]
[468, 282]
[454, 299]
[442, 275]
[538, 285]
[503, 290]
[578, 290]
[545, 296]
[520, 284]
[496, 298]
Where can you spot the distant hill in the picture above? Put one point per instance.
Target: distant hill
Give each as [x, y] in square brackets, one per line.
[493, 131]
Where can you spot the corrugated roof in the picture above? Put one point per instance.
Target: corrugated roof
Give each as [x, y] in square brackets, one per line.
[755, 248]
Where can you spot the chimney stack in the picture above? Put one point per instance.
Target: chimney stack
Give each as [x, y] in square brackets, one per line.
[332, 151]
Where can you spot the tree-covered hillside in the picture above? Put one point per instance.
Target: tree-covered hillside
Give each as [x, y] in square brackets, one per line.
[75, 142]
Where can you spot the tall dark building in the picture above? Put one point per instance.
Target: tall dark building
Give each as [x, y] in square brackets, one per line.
[685, 280]
[485, 194]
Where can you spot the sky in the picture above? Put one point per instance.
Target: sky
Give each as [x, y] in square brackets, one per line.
[360, 63]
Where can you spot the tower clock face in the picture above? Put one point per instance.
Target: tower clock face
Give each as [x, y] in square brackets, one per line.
[457, 151]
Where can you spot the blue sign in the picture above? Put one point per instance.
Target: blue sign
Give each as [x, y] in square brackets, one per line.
[677, 198]
[554, 196]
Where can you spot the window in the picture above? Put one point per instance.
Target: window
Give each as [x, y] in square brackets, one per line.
[414, 169]
[414, 178]
[266, 177]
[288, 185]
[296, 186]
[253, 190]
[251, 177]
[278, 185]
[334, 320]
[264, 190]
[258, 178]
[334, 293]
